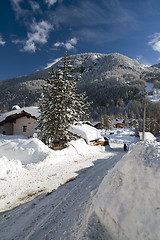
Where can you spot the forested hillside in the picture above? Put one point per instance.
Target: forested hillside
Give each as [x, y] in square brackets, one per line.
[113, 82]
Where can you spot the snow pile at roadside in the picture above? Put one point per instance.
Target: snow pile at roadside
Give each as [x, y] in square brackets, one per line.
[24, 151]
[29, 168]
[18, 153]
[128, 200]
[147, 136]
[8, 167]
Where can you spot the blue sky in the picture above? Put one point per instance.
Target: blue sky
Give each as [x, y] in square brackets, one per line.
[33, 33]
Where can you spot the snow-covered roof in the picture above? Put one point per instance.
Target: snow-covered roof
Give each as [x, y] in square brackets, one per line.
[95, 123]
[33, 111]
[86, 131]
[118, 121]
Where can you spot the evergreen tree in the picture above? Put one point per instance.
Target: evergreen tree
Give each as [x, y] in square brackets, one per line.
[60, 104]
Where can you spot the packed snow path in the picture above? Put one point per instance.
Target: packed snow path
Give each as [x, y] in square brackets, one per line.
[61, 214]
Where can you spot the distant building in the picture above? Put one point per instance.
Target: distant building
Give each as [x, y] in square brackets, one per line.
[119, 123]
[150, 126]
[154, 127]
[97, 125]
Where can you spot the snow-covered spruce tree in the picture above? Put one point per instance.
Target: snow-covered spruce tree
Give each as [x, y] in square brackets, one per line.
[60, 104]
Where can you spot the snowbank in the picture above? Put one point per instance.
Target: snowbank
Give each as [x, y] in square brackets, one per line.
[29, 168]
[17, 152]
[25, 151]
[8, 167]
[128, 200]
[147, 136]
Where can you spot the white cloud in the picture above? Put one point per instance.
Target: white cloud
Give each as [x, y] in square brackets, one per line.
[70, 44]
[38, 35]
[16, 41]
[34, 5]
[16, 4]
[73, 41]
[1, 41]
[17, 8]
[50, 2]
[58, 44]
[29, 47]
[155, 42]
[37, 32]
[156, 46]
[20, 12]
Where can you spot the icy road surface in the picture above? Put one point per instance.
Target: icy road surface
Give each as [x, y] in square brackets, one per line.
[61, 214]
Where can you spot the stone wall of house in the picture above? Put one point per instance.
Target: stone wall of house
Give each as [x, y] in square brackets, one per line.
[6, 129]
[25, 126]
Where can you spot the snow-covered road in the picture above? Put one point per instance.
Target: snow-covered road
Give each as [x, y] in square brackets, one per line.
[61, 214]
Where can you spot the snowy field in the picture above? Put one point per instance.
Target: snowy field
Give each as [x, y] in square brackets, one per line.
[114, 196]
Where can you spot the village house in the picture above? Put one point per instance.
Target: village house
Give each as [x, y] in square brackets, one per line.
[119, 123]
[97, 125]
[23, 121]
[154, 127]
[20, 121]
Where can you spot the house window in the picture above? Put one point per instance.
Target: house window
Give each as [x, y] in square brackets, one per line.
[24, 128]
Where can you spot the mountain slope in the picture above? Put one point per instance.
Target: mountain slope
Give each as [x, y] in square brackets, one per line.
[108, 79]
